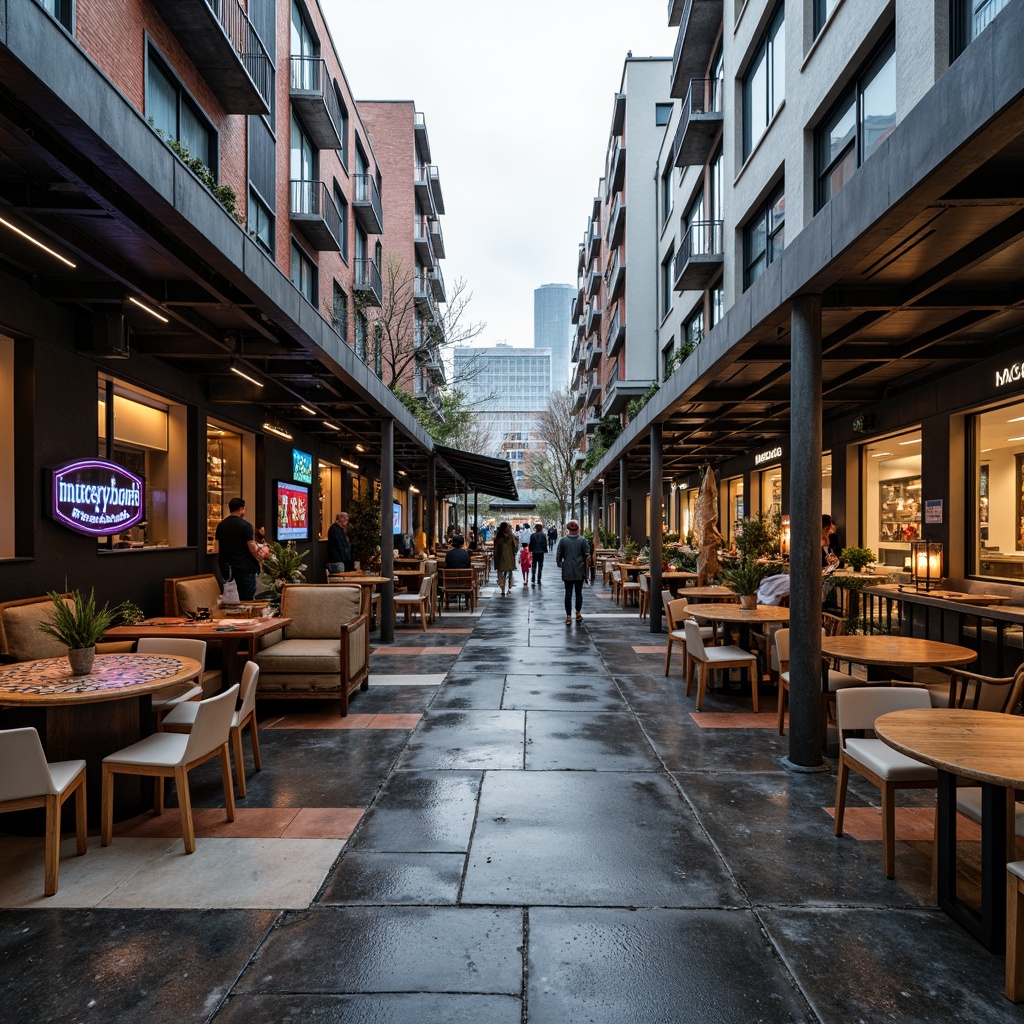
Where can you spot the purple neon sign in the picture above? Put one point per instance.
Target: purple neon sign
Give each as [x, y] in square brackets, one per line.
[96, 497]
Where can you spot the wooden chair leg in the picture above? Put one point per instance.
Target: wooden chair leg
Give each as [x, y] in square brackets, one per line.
[842, 777]
[702, 682]
[158, 795]
[782, 706]
[81, 820]
[1014, 939]
[52, 843]
[236, 747]
[107, 806]
[188, 832]
[225, 776]
[688, 671]
[668, 655]
[423, 616]
[755, 677]
[255, 740]
[889, 829]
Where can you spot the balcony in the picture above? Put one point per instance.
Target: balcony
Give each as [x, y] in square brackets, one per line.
[699, 257]
[366, 206]
[422, 142]
[576, 383]
[228, 52]
[594, 242]
[593, 354]
[435, 188]
[700, 122]
[314, 211]
[593, 399]
[313, 95]
[617, 167]
[593, 317]
[421, 186]
[615, 335]
[617, 223]
[423, 294]
[615, 278]
[594, 282]
[367, 282]
[591, 424]
[619, 114]
[578, 398]
[436, 279]
[582, 263]
[424, 245]
[699, 21]
[436, 238]
[574, 352]
[619, 393]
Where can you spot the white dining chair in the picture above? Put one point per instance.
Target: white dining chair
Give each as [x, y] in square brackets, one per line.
[676, 615]
[26, 780]
[169, 755]
[780, 664]
[418, 601]
[175, 647]
[710, 658]
[183, 718]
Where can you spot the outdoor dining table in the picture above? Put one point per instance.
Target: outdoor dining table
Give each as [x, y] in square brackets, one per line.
[711, 593]
[676, 581]
[733, 615]
[878, 652]
[236, 637]
[987, 747]
[93, 715]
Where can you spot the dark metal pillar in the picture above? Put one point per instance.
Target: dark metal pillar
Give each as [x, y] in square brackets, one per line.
[654, 529]
[476, 515]
[604, 504]
[465, 513]
[623, 498]
[430, 502]
[805, 723]
[387, 530]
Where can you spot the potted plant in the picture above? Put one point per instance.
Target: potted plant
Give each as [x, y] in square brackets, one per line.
[364, 530]
[77, 623]
[858, 559]
[131, 613]
[283, 565]
[744, 575]
[631, 549]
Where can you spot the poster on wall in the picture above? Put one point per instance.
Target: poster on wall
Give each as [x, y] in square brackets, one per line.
[302, 467]
[94, 497]
[396, 516]
[983, 502]
[292, 504]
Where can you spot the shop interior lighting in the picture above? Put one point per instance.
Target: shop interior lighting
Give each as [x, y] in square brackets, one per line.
[983, 450]
[413, 489]
[306, 408]
[351, 465]
[148, 309]
[916, 440]
[270, 428]
[1015, 439]
[245, 376]
[879, 455]
[360, 448]
[328, 423]
[36, 242]
[1016, 419]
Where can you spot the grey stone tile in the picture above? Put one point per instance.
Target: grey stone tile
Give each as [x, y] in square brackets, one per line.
[562, 691]
[467, 739]
[404, 879]
[483, 693]
[586, 741]
[419, 1008]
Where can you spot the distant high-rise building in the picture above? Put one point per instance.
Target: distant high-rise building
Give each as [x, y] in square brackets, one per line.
[552, 327]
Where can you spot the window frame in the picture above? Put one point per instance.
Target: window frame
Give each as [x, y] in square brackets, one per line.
[305, 263]
[256, 203]
[762, 218]
[62, 12]
[764, 55]
[823, 11]
[155, 59]
[661, 109]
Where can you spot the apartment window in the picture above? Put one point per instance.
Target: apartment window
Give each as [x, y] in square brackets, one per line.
[303, 42]
[173, 112]
[662, 113]
[342, 204]
[303, 274]
[303, 154]
[764, 85]
[695, 329]
[343, 131]
[360, 338]
[822, 12]
[717, 303]
[858, 124]
[261, 223]
[666, 193]
[668, 359]
[666, 283]
[339, 312]
[969, 18]
[764, 236]
[61, 10]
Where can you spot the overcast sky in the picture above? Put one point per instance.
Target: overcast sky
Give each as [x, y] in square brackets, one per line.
[518, 103]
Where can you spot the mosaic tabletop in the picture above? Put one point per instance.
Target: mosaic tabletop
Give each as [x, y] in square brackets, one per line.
[49, 680]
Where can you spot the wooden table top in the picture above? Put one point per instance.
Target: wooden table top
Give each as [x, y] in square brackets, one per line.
[678, 574]
[210, 629]
[357, 581]
[48, 682]
[895, 650]
[982, 745]
[711, 594]
[902, 590]
[725, 612]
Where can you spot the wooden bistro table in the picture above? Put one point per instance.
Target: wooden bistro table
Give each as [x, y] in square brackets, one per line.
[987, 747]
[676, 581]
[238, 638]
[91, 716]
[711, 594]
[886, 652]
[732, 614]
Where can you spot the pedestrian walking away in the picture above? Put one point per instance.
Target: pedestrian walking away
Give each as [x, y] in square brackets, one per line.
[504, 556]
[239, 557]
[552, 537]
[572, 556]
[524, 562]
[538, 549]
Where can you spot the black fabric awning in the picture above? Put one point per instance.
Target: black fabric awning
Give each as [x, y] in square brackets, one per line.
[482, 473]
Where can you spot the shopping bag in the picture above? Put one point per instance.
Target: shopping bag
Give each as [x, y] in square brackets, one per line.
[230, 594]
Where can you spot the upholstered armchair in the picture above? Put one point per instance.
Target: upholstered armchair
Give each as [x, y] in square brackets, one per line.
[187, 594]
[324, 652]
[20, 637]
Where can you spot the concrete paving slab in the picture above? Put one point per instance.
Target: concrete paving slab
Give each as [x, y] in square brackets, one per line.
[586, 741]
[467, 739]
[551, 691]
[420, 1008]
[398, 879]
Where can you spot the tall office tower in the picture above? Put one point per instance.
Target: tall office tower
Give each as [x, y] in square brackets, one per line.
[552, 327]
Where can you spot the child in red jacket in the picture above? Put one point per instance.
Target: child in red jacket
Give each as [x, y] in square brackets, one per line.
[524, 563]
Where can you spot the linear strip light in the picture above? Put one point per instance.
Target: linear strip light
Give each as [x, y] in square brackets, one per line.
[245, 376]
[351, 465]
[277, 431]
[328, 423]
[36, 242]
[306, 408]
[149, 309]
[916, 440]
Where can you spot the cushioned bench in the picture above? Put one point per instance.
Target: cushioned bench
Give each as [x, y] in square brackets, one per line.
[190, 593]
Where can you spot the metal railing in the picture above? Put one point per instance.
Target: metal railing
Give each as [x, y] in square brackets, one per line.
[367, 278]
[310, 74]
[366, 191]
[702, 238]
[247, 44]
[314, 199]
[613, 330]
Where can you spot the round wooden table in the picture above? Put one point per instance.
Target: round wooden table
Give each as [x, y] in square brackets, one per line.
[989, 748]
[732, 614]
[894, 652]
[93, 715]
[710, 594]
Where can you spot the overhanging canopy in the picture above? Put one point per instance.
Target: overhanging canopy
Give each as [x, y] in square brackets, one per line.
[482, 473]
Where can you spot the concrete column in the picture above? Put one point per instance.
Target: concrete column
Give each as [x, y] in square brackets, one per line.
[654, 528]
[805, 725]
[387, 548]
[430, 501]
[623, 499]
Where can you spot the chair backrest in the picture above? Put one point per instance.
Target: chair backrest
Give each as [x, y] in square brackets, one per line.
[780, 650]
[19, 629]
[675, 610]
[247, 688]
[212, 725]
[981, 693]
[319, 610]
[174, 647]
[617, 575]
[23, 768]
[666, 596]
[425, 584]
[457, 579]
[645, 583]
[857, 707]
[694, 643]
[834, 625]
[194, 592]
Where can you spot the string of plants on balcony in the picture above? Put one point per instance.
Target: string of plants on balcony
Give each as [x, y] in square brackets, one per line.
[224, 194]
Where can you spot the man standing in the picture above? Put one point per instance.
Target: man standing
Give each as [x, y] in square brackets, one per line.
[339, 550]
[238, 554]
[538, 549]
[573, 556]
[552, 537]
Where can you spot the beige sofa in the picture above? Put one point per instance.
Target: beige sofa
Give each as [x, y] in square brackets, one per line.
[324, 652]
[20, 637]
[189, 593]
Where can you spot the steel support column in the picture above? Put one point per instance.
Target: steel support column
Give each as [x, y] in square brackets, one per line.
[430, 502]
[805, 724]
[387, 547]
[654, 531]
[623, 498]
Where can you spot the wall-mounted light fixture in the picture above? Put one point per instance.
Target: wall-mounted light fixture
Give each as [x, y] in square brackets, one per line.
[277, 431]
[351, 465]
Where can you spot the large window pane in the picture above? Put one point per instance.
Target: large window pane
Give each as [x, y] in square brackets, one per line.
[878, 103]
[161, 101]
[840, 132]
[997, 505]
[892, 510]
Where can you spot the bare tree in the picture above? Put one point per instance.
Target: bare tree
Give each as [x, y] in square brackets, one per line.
[554, 467]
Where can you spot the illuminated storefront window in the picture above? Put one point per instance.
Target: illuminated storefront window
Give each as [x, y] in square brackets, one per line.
[996, 507]
[892, 496]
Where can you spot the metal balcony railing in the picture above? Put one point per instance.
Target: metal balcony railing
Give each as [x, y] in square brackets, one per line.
[366, 204]
[313, 207]
[367, 279]
[701, 251]
[312, 90]
[699, 121]
[436, 237]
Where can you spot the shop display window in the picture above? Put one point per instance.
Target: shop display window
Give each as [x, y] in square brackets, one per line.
[892, 496]
[150, 439]
[329, 478]
[997, 509]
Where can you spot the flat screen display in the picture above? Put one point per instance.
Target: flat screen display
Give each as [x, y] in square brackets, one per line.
[292, 511]
[396, 516]
[302, 467]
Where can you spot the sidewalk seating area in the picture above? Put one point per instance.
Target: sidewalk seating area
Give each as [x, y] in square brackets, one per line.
[519, 821]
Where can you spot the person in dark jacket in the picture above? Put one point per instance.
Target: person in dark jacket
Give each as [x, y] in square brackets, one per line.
[552, 537]
[538, 549]
[573, 557]
[339, 550]
[457, 557]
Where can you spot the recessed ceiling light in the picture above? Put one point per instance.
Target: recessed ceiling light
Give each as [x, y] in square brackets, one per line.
[270, 428]
[879, 455]
[916, 440]
[306, 408]
[1015, 439]
[983, 450]
[1016, 419]
[328, 423]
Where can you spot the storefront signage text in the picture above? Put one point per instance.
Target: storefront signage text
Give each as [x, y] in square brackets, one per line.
[768, 456]
[1011, 375]
[95, 497]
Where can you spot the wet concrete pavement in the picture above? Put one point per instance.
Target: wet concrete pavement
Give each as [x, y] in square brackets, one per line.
[557, 841]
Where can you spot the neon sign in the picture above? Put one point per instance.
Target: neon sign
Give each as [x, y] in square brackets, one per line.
[95, 497]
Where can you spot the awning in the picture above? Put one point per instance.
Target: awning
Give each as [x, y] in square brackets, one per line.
[482, 473]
